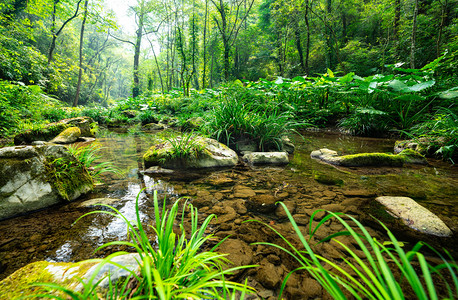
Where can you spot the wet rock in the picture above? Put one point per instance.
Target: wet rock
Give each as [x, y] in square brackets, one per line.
[243, 192]
[239, 206]
[192, 124]
[414, 215]
[153, 127]
[269, 275]
[281, 213]
[157, 170]
[209, 153]
[288, 146]
[51, 130]
[239, 253]
[221, 181]
[327, 179]
[35, 177]
[425, 145]
[229, 215]
[262, 203]
[67, 275]
[99, 202]
[369, 159]
[263, 158]
[312, 287]
[68, 136]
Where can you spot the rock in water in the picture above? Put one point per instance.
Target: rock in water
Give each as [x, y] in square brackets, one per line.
[20, 283]
[35, 177]
[414, 215]
[263, 158]
[202, 153]
[369, 159]
[68, 136]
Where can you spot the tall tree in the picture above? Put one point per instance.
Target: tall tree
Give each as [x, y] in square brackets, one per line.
[229, 21]
[80, 72]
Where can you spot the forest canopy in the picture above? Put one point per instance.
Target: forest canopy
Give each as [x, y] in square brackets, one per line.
[202, 43]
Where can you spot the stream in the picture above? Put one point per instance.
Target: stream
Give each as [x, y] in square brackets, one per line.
[234, 195]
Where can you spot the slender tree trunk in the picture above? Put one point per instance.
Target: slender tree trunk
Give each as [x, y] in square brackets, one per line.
[413, 37]
[204, 83]
[80, 73]
[55, 33]
[396, 24]
[328, 34]
[444, 8]
[299, 46]
[139, 35]
[307, 48]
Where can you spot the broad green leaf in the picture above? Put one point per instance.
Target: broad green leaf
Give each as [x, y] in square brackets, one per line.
[449, 94]
[347, 78]
[398, 86]
[421, 86]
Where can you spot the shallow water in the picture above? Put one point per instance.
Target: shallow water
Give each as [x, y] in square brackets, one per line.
[52, 235]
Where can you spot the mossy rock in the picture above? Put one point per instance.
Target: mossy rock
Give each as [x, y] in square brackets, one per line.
[192, 124]
[199, 153]
[426, 145]
[35, 177]
[68, 136]
[20, 284]
[327, 179]
[369, 159]
[51, 130]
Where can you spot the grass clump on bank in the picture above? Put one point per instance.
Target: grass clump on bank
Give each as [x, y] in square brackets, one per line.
[376, 270]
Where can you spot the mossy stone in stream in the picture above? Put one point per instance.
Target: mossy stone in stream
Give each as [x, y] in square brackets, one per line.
[327, 179]
[371, 159]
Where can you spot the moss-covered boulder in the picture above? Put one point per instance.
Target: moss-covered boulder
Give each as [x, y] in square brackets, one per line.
[68, 136]
[195, 152]
[35, 177]
[192, 124]
[426, 145]
[369, 159]
[51, 130]
[266, 158]
[20, 284]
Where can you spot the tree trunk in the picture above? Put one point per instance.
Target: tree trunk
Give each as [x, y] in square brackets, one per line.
[204, 83]
[80, 73]
[444, 8]
[307, 48]
[139, 35]
[413, 37]
[299, 46]
[328, 34]
[55, 33]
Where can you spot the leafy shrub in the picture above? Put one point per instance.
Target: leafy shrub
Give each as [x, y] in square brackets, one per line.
[366, 122]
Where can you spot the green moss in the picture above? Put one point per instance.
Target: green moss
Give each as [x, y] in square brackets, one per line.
[412, 156]
[67, 175]
[21, 283]
[327, 179]
[371, 159]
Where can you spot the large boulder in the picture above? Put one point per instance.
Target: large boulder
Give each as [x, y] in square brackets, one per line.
[35, 177]
[20, 283]
[68, 136]
[51, 130]
[369, 159]
[414, 215]
[190, 153]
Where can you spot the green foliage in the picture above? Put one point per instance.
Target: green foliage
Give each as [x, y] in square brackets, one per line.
[184, 146]
[365, 122]
[441, 128]
[375, 276]
[88, 156]
[19, 104]
[174, 267]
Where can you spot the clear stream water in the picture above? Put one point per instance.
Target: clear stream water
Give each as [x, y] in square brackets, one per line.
[51, 234]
